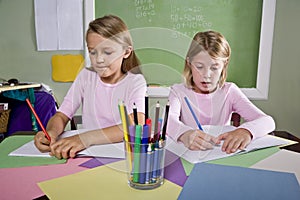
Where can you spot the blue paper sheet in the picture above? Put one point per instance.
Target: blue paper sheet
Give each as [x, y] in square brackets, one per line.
[211, 181]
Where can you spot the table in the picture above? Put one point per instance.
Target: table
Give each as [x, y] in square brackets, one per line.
[26, 184]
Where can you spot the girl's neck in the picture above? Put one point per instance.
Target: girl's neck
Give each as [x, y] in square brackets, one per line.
[197, 90]
[113, 79]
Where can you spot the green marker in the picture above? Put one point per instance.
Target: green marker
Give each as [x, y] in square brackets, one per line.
[137, 150]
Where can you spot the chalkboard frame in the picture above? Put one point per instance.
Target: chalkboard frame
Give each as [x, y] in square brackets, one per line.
[265, 47]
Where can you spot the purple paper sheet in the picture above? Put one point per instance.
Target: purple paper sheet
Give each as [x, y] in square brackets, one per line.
[96, 162]
[174, 170]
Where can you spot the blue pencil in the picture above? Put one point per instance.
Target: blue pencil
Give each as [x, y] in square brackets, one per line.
[193, 113]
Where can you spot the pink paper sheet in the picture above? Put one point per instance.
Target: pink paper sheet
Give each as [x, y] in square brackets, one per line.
[25, 179]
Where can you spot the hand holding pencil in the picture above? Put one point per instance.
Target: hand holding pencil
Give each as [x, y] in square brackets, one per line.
[197, 139]
[42, 138]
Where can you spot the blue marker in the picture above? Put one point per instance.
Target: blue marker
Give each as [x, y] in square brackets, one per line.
[161, 157]
[149, 164]
[143, 156]
[155, 162]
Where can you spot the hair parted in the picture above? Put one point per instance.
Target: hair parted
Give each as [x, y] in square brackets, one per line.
[216, 46]
[114, 28]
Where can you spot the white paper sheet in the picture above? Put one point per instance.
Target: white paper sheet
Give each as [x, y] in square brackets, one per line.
[216, 153]
[46, 24]
[59, 24]
[70, 24]
[115, 150]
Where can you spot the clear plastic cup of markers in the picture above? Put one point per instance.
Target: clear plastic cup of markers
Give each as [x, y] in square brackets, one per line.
[145, 164]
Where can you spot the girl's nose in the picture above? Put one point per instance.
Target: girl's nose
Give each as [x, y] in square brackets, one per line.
[100, 59]
[206, 73]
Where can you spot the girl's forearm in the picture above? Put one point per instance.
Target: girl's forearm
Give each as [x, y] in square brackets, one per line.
[107, 135]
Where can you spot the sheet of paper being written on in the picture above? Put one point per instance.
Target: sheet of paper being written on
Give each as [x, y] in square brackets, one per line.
[216, 153]
[115, 150]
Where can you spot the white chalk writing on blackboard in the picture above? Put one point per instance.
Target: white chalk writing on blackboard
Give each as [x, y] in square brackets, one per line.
[188, 20]
[144, 9]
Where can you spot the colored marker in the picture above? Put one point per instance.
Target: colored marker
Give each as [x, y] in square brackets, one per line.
[143, 156]
[136, 156]
[131, 133]
[155, 162]
[161, 157]
[149, 164]
[149, 123]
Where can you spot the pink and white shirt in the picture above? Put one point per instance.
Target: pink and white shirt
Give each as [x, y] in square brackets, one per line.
[100, 100]
[215, 109]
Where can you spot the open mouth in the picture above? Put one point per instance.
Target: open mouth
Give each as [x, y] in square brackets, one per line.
[205, 84]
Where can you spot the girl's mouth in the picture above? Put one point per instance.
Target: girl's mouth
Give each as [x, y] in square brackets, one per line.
[205, 84]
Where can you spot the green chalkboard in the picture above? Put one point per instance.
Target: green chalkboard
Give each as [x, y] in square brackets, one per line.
[162, 31]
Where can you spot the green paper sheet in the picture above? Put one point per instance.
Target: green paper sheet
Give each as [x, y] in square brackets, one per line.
[187, 166]
[12, 143]
[241, 160]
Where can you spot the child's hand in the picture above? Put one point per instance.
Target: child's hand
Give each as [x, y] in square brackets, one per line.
[67, 147]
[234, 140]
[198, 140]
[42, 143]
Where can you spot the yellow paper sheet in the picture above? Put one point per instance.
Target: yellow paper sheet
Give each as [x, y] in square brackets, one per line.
[104, 182]
[66, 67]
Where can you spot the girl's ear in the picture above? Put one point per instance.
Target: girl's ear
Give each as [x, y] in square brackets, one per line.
[226, 62]
[188, 62]
[128, 51]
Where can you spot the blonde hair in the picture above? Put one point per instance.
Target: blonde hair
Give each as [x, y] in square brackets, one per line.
[114, 28]
[216, 46]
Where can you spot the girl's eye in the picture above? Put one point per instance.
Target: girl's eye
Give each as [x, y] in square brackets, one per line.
[93, 52]
[108, 52]
[215, 67]
[199, 66]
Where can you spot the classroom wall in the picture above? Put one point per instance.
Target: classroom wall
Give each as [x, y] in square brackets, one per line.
[20, 59]
[18, 54]
[284, 94]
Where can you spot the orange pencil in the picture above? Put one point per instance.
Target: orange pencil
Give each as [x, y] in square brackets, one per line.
[38, 119]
